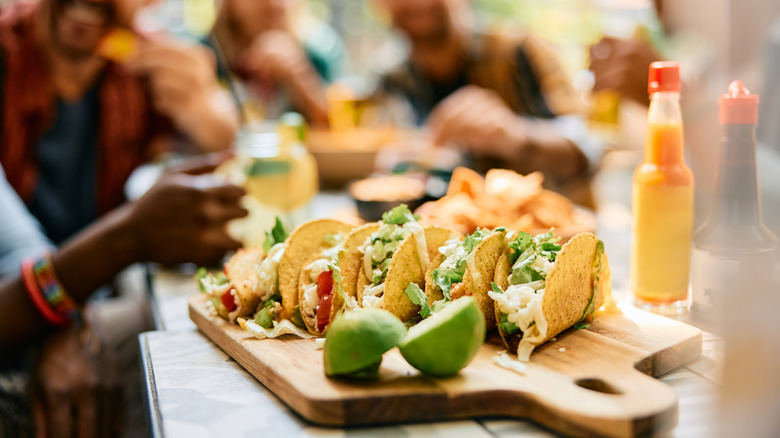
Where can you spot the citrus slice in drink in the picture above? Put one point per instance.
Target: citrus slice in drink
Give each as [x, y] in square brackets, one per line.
[357, 340]
[445, 342]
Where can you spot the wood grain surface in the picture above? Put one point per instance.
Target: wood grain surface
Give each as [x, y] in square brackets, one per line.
[593, 382]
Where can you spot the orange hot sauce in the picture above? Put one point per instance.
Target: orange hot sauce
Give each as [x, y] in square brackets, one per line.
[662, 202]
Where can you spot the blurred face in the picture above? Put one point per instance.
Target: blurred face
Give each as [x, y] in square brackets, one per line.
[254, 17]
[78, 25]
[421, 20]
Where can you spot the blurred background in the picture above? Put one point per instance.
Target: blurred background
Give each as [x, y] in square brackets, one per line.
[294, 164]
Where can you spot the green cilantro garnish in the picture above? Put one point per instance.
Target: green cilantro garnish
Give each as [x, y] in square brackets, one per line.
[277, 234]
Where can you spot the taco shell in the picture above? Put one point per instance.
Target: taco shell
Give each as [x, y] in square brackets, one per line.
[351, 259]
[305, 240]
[240, 270]
[568, 287]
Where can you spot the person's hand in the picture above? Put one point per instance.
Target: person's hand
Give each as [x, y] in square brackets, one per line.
[181, 77]
[77, 387]
[276, 57]
[184, 87]
[478, 119]
[182, 218]
[622, 65]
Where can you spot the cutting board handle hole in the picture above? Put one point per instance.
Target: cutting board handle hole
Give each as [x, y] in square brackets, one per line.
[597, 385]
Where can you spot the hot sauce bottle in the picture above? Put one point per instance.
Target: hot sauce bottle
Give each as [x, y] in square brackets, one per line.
[733, 250]
[662, 202]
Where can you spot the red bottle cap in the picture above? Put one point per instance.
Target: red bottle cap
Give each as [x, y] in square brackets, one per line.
[738, 106]
[664, 76]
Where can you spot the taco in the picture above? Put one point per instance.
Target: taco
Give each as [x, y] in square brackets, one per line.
[541, 288]
[394, 256]
[310, 238]
[465, 268]
[263, 282]
[326, 285]
[232, 292]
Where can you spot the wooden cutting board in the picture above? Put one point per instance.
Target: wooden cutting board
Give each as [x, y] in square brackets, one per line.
[593, 382]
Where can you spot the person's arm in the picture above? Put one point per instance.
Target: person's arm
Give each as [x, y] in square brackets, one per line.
[479, 120]
[181, 219]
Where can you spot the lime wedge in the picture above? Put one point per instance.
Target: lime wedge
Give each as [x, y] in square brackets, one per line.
[357, 340]
[445, 342]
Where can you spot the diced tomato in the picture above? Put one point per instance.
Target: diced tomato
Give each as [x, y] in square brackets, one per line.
[224, 270]
[229, 301]
[323, 311]
[325, 283]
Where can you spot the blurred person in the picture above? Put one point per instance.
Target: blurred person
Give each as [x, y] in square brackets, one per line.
[286, 68]
[499, 95]
[74, 124]
[62, 377]
[622, 65]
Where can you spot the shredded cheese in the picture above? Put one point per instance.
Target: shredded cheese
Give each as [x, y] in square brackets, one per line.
[504, 360]
[523, 307]
[268, 272]
[367, 258]
[372, 295]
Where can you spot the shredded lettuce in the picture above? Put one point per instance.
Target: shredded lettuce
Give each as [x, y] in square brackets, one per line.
[472, 240]
[526, 251]
[417, 297]
[446, 276]
[277, 234]
[507, 326]
[205, 279]
[545, 244]
[453, 268]
[200, 276]
[399, 216]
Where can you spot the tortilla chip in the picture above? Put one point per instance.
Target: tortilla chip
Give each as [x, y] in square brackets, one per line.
[240, 269]
[467, 181]
[304, 241]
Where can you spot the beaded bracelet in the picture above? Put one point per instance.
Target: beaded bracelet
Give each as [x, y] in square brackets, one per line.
[47, 294]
